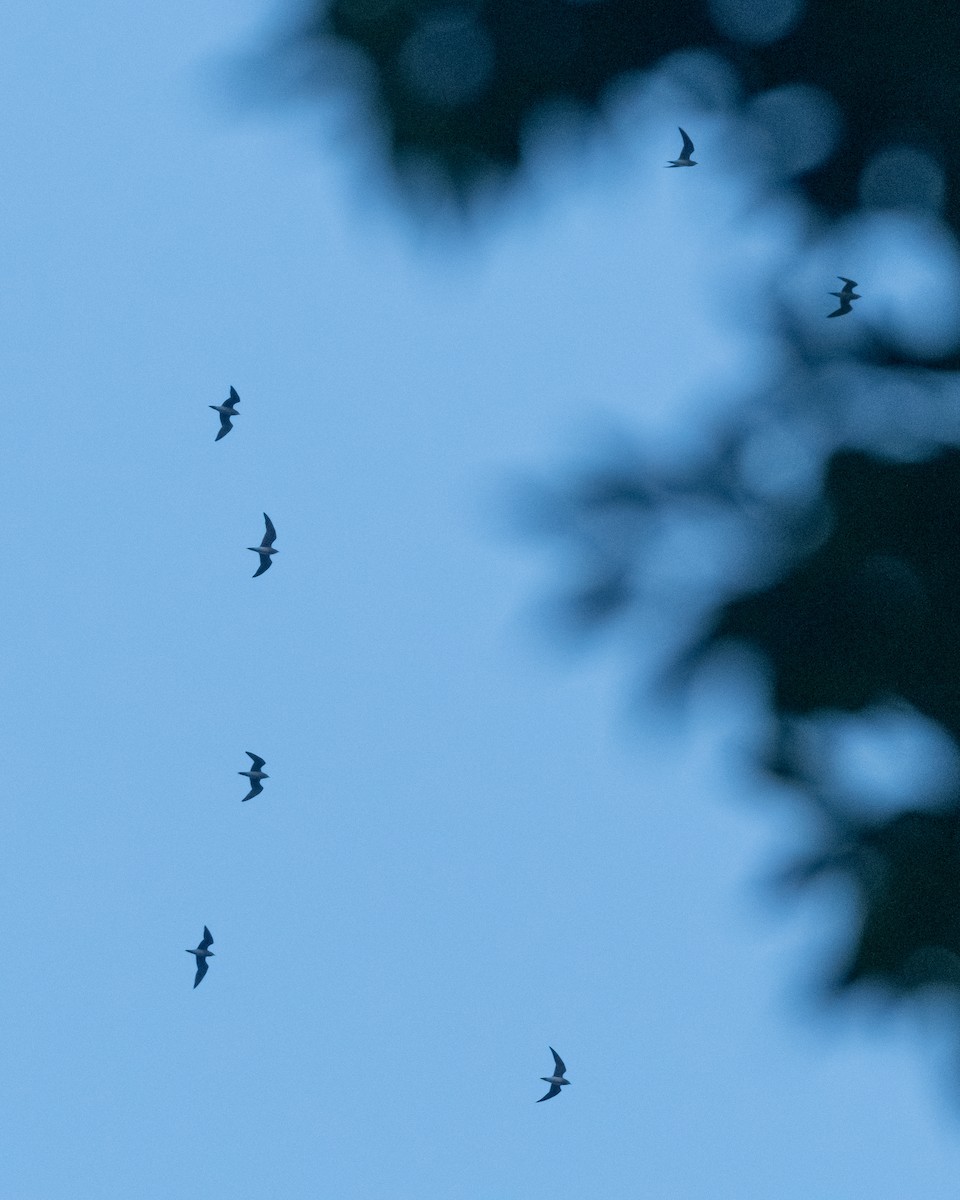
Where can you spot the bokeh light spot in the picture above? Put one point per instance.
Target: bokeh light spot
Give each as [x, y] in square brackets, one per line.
[903, 177]
[799, 125]
[757, 22]
[448, 59]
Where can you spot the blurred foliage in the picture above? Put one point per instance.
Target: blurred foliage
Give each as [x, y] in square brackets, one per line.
[850, 594]
[871, 615]
[861, 611]
[454, 82]
[904, 869]
[874, 611]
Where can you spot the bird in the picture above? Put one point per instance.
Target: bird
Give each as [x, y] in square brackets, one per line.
[203, 952]
[845, 297]
[684, 160]
[256, 787]
[226, 411]
[556, 1080]
[265, 549]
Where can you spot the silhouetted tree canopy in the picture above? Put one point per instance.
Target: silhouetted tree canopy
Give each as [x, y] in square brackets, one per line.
[454, 82]
[904, 870]
[874, 611]
[862, 611]
[853, 596]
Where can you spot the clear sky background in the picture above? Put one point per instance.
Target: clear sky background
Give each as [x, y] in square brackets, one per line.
[468, 848]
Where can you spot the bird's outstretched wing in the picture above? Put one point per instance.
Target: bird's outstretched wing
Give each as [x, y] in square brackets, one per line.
[561, 1069]
[225, 426]
[257, 761]
[851, 283]
[845, 307]
[201, 970]
[271, 534]
[207, 939]
[256, 787]
[687, 144]
[265, 564]
[234, 398]
[554, 1090]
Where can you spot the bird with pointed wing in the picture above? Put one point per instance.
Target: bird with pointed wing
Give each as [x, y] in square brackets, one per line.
[203, 952]
[226, 411]
[846, 295]
[684, 160]
[556, 1080]
[265, 549]
[256, 787]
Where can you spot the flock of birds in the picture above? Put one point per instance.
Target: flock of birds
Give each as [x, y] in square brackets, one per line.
[846, 295]
[203, 952]
[227, 412]
[266, 551]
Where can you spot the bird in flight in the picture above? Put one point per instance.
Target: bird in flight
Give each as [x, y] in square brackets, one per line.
[845, 297]
[684, 160]
[265, 549]
[226, 411]
[256, 787]
[203, 952]
[556, 1080]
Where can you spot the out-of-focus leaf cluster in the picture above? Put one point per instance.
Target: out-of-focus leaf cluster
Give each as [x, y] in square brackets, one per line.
[861, 609]
[454, 84]
[847, 592]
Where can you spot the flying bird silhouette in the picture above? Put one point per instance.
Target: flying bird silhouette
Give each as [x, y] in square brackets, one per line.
[556, 1080]
[256, 787]
[845, 297]
[265, 549]
[684, 160]
[226, 411]
[203, 952]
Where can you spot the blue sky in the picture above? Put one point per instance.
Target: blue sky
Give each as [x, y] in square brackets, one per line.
[467, 848]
